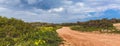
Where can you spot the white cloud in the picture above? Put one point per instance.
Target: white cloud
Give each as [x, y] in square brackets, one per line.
[33, 1]
[68, 11]
[60, 9]
[31, 16]
[68, 2]
[1, 1]
[80, 4]
[83, 7]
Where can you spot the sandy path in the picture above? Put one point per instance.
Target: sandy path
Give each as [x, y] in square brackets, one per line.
[74, 38]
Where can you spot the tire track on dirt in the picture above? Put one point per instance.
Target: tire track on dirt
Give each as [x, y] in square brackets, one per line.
[74, 38]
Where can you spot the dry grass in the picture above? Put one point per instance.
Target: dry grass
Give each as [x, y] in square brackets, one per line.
[117, 25]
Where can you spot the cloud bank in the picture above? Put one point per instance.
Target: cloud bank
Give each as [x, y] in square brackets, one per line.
[57, 11]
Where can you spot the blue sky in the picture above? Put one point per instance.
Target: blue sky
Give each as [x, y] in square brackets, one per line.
[59, 11]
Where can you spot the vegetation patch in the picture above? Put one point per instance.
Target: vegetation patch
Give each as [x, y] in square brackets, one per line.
[15, 32]
[103, 25]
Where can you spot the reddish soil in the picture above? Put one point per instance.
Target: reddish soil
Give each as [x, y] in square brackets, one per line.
[75, 38]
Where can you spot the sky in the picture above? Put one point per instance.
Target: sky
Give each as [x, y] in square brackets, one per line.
[59, 11]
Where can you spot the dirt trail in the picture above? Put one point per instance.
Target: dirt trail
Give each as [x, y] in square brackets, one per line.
[74, 38]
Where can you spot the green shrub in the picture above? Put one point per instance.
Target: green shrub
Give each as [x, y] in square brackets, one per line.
[15, 32]
[85, 29]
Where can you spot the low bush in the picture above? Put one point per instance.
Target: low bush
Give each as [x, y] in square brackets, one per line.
[85, 29]
[15, 32]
